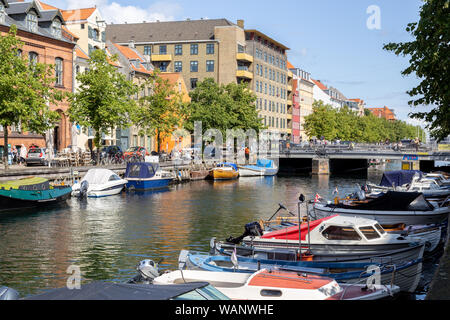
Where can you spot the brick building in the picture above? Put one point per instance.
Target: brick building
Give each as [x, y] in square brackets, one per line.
[45, 41]
[384, 112]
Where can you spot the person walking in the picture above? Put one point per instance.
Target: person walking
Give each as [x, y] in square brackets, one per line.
[23, 154]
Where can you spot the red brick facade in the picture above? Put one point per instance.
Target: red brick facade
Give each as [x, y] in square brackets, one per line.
[48, 49]
[383, 113]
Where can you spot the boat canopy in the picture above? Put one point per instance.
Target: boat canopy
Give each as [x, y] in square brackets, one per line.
[291, 233]
[265, 163]
[100, 176]
[399, 178]
[119, 291]
[392, 201]
[142, 170]
[27, 184]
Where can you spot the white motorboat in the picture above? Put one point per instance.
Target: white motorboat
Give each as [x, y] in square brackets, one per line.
[262, 168]
[333, 238]
[391, 208]
[278, 285]
[99, 183]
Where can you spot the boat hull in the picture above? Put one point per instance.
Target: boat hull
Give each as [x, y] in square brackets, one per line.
[100, 191]
[387, 217]
[23, 199]
[147, 184]
[219, 174]
[257, 172]
[406, 275]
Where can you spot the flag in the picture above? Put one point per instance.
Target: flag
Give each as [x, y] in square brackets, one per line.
[317, 198]
[234, 259]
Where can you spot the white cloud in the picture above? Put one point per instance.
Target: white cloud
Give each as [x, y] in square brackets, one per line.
[115, 12]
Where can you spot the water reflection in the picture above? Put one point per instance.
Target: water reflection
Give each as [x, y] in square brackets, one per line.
[107, 237]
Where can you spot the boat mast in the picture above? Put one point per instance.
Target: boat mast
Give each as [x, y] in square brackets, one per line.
[301, 199]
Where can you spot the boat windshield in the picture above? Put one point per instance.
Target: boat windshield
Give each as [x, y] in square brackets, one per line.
[205, 293]
[341, 233]
[380, 229]
[369, 232]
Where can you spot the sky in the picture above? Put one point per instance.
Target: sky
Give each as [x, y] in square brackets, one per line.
[340, 42]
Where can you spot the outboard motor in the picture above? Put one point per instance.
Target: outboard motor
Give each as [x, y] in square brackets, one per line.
[147, 271]
[83, 189]
[252, 229]
[8, 294]
[361, 195]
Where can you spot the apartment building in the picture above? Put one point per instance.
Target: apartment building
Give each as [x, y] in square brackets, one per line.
[45, 41]
[218, 49]
[303, 93]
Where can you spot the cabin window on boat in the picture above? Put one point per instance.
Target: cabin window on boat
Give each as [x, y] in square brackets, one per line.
[135, 170]
[369, 232]
[341, 233]
[114, 177]
[270, 293]
[380, 229]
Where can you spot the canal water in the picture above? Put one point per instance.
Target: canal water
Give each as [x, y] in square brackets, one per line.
[107, 237]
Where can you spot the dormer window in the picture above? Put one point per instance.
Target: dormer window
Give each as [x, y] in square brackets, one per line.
[32, 21]
[56, 28]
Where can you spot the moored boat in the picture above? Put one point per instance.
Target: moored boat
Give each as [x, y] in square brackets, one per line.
[391, 208]
[278, 285]
[30, 193]
[224, 171]
[100, 183]
[144, 176]
[406, 274]
[263, 167]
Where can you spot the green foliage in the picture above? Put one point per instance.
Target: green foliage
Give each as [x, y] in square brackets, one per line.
[430, 61]
[160, 112]
[104, 99]
[26, 89]
[222, 107]
[346, 125]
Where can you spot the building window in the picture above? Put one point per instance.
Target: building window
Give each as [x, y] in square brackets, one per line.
[33, 57]
[240, 48]
[148, 50]
[194, 83]
[77, 69]
[194, 66]
[2, 13]
[210, 48]
[194, 49]
[56, 28]
[163, 49]
[210, 66]
[163, 66]
[178, 49]
[59, 71]
[32, 21]
[178, 66]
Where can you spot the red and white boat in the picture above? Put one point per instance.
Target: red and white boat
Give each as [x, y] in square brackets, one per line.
[334, 238]
[278, 285]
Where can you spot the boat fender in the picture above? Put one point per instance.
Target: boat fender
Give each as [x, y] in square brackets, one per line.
[83, 189]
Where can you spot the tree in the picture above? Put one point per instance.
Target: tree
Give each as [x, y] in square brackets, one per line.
[430, 61]
[322, 122]
[159, 112]
[222, 107]
[104, 99]
[26, 90]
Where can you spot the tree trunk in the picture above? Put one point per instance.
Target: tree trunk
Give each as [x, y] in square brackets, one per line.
[97, 144]
[158, 138]
[6, 149]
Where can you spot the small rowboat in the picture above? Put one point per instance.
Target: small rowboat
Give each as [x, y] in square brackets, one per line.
[224, 171]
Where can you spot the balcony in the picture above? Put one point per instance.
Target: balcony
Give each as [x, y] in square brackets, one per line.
[243, 72]
[289, 88]
[161, 57]
[289, 102]
[290, 75]
[244, 57]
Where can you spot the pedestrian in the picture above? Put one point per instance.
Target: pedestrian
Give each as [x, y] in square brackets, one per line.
[417, 143]
[23, 154]
[247, 154]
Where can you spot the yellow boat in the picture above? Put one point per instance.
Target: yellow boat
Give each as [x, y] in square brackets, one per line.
[224, 171]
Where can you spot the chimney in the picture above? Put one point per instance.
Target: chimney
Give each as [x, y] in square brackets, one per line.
[131, 44]
[240, 23]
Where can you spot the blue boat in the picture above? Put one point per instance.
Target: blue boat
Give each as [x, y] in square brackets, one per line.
[143, 176]
[406, 274]
[263, 167]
